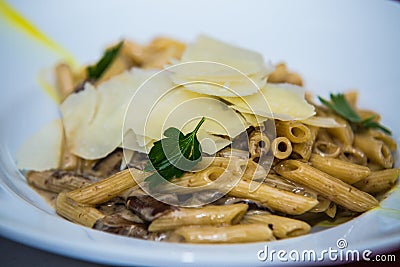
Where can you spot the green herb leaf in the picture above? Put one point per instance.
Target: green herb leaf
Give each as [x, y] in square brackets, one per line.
[341, 106]
[173, 155]
[94, 72]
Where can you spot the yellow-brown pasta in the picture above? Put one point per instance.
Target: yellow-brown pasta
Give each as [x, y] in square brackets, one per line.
[281, 147]
[304, 149]
[258, 144]
[274, 198]
[378, 181]
[295, 131]
[207, 215]
[352, 154]
[344, 134]
[240, 233]
[106, 189]
[346, 171]
[282, 227]
[376, 150]
[379, 135]
[77, 212]
[326, 185]
[326, 149]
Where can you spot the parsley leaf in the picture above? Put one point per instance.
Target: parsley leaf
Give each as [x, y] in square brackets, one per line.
[173, 155]
[341, 106]
[94, 72]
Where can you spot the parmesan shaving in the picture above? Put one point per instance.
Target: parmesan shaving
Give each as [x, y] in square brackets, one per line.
[42, 151]
[323, 122]
[278, 101]
[93, 119]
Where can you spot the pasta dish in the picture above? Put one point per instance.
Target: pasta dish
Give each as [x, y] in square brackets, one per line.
[205, 143]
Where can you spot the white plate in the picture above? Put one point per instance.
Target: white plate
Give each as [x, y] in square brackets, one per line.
[334, 45]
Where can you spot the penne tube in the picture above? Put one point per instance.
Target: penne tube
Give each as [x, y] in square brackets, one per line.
[304, 149]
[376, 150]
[330, 187]
[344, 134]
[281, 147]
[258, 144]
[379, 181]
[240, 233]
[106, 189]
[389, 141]
[346, 171]
[282, 227]
[77, 212]
[247, 169]
[207, 215]
[274, 198]
[295, 131]
[326, 149]
[64, 80]
[354, 155]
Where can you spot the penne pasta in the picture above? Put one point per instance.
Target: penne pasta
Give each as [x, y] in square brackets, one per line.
[344, 134]
[346, 171]
[295, 131]
[354, 155]
[249, 174]
[281, 147]
[208, 215]
[282, 227]
[77, 212]
[274, 198]
[258, 144]
[106, 189]
[376, 150]
[328, 186]
[304, 149]
[378, 181]
[226, 234]
[389, 141]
